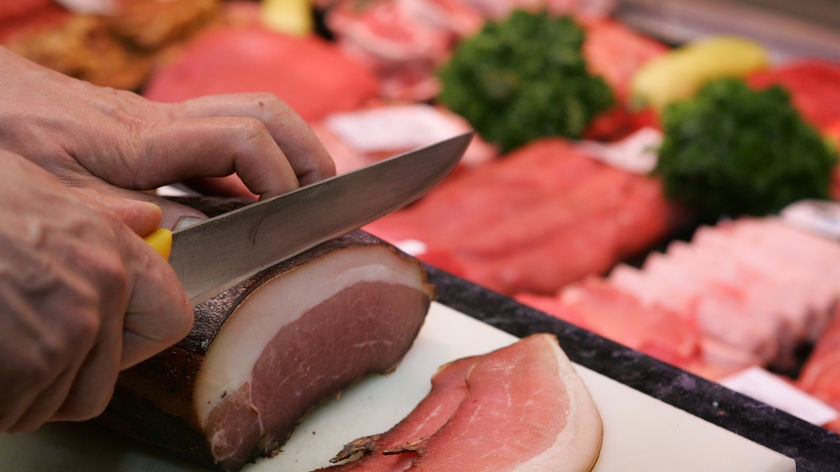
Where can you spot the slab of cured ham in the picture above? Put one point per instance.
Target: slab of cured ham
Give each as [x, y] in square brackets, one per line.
[520, 407]
[267, 351]
[535, 220]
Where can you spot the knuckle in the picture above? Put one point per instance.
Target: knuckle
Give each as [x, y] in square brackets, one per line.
[252, 135]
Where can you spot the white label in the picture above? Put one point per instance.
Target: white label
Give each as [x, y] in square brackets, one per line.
[762, 385]
[392, 127]
[636, 153]
[819, 216]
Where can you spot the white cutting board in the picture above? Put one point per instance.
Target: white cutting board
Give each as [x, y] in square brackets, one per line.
[640, 432]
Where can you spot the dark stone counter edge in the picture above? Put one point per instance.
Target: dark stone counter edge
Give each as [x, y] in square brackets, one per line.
[812, 447]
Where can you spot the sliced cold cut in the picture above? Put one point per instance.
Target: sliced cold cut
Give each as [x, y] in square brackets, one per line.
[521, 407]
[265, 352]
[389, 451]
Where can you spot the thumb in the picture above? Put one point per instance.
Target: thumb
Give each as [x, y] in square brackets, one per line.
[141, 216]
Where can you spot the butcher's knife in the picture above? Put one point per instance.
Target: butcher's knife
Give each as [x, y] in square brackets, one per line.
[220, 252]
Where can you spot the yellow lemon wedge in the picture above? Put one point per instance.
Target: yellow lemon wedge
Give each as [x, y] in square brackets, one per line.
[293, 17]
[678, 74]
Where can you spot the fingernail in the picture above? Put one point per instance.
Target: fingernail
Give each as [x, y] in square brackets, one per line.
[185, 221]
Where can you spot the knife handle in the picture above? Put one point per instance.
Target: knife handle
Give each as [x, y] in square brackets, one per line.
[161, 241]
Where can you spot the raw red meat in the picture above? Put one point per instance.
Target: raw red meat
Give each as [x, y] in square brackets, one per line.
[597, 306]
[620, 316]
[757, 288]
[18, 19]
[21, 8]
[615, 52]
[403, 41]
[264, 353]
[814, 85]
[536, 219]
[820, 375]
[312, 75]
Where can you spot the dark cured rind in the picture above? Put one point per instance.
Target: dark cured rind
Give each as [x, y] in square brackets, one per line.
[153, 400]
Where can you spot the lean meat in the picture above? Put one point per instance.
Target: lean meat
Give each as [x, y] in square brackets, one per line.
[814, 86]
[820, 375]
[250, 58]
[756, 285]
[265, 352]
[521, 407]
[597, 306]
[537, 219]
[14, 10]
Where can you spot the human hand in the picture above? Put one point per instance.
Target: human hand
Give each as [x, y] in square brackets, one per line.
[119, 143]
[81, 296]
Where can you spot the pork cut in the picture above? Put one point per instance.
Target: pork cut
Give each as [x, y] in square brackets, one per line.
[265, 352]
[820, 375]
[520, 407]
[543, 216]
[308, 73]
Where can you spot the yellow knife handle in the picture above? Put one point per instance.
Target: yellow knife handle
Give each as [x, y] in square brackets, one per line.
[161, 241]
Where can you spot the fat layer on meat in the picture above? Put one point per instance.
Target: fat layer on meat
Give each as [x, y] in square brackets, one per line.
[267, 351]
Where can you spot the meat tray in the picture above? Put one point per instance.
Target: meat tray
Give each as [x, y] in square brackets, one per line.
[641, 432]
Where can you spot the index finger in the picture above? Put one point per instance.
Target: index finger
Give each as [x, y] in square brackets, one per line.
[308, 157]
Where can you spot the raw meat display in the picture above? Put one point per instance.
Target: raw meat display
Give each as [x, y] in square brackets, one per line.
[265, 352]
[741, 293]
[814, 86]
[547, 223]
[252, 59]
[821, 372]
[566, 214]
[521, 407]
[404, 41]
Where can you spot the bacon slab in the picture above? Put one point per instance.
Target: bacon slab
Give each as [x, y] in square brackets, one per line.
[265, 352]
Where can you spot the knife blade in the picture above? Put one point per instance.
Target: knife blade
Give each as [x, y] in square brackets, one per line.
[217, 253]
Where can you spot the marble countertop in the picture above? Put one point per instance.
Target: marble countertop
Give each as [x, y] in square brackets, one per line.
[812, 447]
